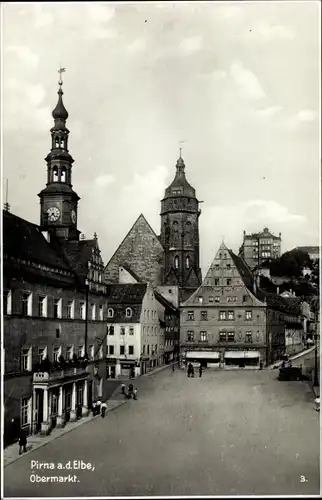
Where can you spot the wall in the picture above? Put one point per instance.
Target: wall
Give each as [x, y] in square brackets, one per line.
[152, 333]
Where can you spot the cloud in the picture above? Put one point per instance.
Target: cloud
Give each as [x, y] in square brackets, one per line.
[219, 75]
[273, 32]
[104, 180]
[138, 45]
[36, 94]
[306, 115]
[246, 81]
[191, 45]
[43, 17]
[100, 33]
[98, 13]
[268, 112]
[25, 55]
[229, 11]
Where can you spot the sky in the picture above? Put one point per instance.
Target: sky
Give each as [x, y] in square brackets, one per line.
[238, 83]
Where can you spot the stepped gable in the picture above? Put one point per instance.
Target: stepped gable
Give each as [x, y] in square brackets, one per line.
[141, 251]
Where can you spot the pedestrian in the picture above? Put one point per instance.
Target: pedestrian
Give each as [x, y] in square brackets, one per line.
[123, 388]
[22, 442]
[135, 394]
[200, 371]
[98, 406]
[94, 408]
[173, 367]
[103, 409]
[192, 372]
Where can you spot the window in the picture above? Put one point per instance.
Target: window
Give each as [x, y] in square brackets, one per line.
[26, 304]
[91, 351]
[111, 330]
[110, 313]
[128, 312]
[248, 337]
[80, 351]
[122, 350]
[71, 309]
[248, 315]
[216, 281]
[57, 308]
[204, 315]
[148, 349]
[143, 349]
[148, 313]
[25, 411]
[190, 336]
[200, 299]
[211, 299]
[228, 281]
[231, 315]
[187, 262]
[7, 301]
[82, 310]
[42, 306]
[26, 360]
[231, 337]
[203, 336]
[111, 350]
[101, 312]
[131, 330]
[122, 330]
[217, 267]
[217, 299]
[42, 352]
[222, 315]
[56, 354]
[191, 315]
[176, 262]
[228, 266]
[131, 349]
[222, 336]
[93, 309]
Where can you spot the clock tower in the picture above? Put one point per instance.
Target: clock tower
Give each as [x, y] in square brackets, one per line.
[58, 201]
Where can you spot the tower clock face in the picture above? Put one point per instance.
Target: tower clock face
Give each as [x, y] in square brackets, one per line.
[53, 214]
[73, 215]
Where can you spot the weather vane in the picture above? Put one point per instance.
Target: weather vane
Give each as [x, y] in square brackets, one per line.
[60, 71]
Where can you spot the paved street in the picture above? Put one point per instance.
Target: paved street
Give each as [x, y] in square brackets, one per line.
[228, 433]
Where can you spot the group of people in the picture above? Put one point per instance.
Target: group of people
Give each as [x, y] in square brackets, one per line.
[129, 392]
[191, 370]
[99, 408]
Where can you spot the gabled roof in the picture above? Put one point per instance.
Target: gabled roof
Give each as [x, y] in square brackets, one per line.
[126, 294]
[23, 239]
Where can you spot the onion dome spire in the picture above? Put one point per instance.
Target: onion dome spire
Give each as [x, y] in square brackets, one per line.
[60, 113]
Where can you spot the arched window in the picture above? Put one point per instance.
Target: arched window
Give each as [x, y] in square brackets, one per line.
[63, 175]
[128, 312]
[57, 141]
[110, 313]
[187, 262]
[176, 262]
[55, 174]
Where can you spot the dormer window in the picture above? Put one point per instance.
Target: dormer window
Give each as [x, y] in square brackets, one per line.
[128, 312]
[110, 313]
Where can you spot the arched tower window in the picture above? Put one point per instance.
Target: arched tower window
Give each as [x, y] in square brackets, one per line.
[55, 173]
[63, 175]
[176, 262]
[57, 142]
[187, 262]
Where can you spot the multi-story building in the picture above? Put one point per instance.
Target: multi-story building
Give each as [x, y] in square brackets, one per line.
[171, 259]
[54, 305]
[138, 339]
[260, 247]
[230, 321]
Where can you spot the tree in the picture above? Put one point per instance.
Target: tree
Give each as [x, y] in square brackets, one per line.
[291, 264]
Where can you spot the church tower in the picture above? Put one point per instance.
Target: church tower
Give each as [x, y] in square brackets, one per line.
[58, 201]
[180, 234]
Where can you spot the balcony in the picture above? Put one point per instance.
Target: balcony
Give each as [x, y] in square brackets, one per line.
[50, 377]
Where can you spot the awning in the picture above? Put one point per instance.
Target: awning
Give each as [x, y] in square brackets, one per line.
[242, 354]
[202, 355]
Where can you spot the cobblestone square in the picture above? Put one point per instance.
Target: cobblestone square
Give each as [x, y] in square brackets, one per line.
[227, 433]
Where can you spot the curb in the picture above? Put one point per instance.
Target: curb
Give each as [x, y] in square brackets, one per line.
[40, 445]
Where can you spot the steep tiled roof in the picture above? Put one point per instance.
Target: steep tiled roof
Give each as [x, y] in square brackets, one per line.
[126, 294]
[23, 239]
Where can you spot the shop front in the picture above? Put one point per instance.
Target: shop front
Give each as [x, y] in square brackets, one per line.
[111, 368]
[207, 359]
[127, 369]
[241, 359]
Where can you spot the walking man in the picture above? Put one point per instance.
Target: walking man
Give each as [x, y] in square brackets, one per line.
[22, 442]
[103, 409]
[123, 388]
[200, 371]
[98, 406]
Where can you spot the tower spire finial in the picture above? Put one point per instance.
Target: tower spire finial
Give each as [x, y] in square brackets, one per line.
[60, 112]
[60, 71]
